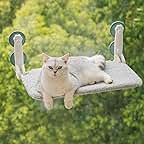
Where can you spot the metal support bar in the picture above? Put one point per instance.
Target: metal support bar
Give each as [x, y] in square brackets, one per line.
[18, 55]
[118, 44]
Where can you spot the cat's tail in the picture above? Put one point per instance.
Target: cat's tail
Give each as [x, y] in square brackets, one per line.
[99, 60]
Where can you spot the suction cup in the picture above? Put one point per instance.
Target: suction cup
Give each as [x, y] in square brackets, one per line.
[11, 41]
[12, 60]
[113, 25]
[111, 47]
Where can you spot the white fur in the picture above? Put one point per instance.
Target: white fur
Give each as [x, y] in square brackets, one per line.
[75, 72]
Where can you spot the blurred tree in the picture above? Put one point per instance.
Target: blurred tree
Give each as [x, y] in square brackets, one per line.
[80, 27]
[7, 11]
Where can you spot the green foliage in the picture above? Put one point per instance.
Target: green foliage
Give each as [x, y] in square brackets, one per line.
[80, 27]
[7, 11]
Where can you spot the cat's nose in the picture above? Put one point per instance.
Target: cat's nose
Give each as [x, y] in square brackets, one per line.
[54, 73]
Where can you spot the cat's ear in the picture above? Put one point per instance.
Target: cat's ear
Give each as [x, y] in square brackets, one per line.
[45, 57]
[66, 57]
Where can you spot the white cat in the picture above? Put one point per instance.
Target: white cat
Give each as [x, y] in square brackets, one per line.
[64, 75]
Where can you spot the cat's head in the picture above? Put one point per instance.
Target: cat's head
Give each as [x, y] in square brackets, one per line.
[55, 66]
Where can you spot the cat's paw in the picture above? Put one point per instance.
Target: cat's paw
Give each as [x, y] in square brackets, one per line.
[92, 83]
[108, 80]
[68, 103]
[48, 104]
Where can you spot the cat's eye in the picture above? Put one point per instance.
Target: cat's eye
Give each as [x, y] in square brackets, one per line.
[50, 67]
[60, 67]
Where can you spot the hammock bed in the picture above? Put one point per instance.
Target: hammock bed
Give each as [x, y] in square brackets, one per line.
[123, 76]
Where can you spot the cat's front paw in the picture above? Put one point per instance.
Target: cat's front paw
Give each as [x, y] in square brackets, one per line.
[48, 104]
[68, 103]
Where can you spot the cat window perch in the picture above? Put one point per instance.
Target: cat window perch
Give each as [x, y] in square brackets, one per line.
[123, 76]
